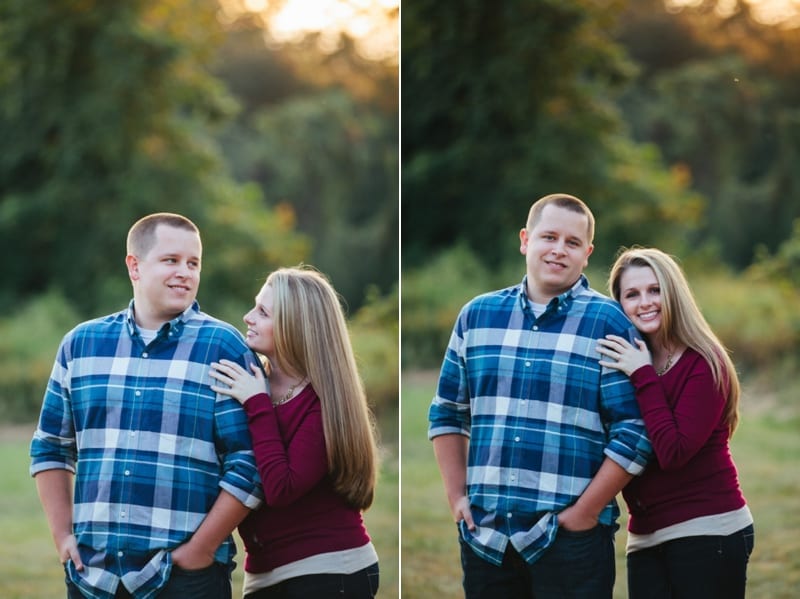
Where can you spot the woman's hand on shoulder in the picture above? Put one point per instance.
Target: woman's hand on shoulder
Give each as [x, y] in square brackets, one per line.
[621, 355]
[238, 383]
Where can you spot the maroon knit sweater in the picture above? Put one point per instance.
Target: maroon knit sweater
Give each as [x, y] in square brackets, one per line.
[694, 474]
[302, 515]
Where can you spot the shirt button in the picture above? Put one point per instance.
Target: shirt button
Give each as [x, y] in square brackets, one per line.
[528, 364]
[145, 355]
[138, 393]
[133, 433]
[535, 327]
[508, 515]
[122, 514]
[127, 473]
[120, 553]
[516, 439]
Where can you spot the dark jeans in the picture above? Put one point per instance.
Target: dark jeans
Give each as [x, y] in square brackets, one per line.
[707, 567]
[359, 585]
[213, 582]
[578, 565]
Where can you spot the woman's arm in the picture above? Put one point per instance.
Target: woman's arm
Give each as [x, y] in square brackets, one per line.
[289, 468]
[291, 462]
[679, 431]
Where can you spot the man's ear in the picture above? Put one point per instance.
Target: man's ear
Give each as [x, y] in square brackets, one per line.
[588, 253]
[132, 262]
[523, 241]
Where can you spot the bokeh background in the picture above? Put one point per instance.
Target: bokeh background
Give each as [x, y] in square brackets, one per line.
[677, 121]
[273, 125]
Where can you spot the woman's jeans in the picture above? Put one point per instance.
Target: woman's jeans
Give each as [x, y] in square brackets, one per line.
[359, 585]
[213, 582]
[578, 565]
[704, 567]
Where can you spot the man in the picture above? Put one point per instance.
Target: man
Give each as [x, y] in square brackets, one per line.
[533, 438]
[164, 469]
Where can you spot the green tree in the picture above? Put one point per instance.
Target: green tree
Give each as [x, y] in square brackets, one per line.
[505, 103]
[107, 113]
[718, 94]
[319, 135]
[331, 161]
[783, 266]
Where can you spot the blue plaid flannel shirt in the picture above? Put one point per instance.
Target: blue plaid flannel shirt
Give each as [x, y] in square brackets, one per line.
[151, 443]
[540, 411]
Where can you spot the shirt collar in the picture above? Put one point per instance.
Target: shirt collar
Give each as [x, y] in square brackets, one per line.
[564, 300]
[175, 325]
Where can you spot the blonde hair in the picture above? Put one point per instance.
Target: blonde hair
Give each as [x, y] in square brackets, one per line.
[682, 321]
[312, 340]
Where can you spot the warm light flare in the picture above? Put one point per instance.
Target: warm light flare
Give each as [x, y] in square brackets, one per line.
[774, 12]
[372, 24]
[785, 13]
[256, 5]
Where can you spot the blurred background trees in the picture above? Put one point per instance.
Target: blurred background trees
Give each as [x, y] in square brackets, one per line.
[274, 125]
[677, 122]
[278, 137]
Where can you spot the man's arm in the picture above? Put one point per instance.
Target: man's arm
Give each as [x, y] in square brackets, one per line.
[55, 492]
[198, 552]
[583, 514]
[451, 455]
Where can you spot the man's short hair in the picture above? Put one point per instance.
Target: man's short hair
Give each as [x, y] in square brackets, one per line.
[142, 235]
[562, 200]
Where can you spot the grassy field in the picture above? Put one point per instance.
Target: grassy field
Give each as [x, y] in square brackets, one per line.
[766, 449]
[29, 567]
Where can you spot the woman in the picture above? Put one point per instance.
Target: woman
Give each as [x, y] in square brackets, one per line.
[314, 444]
[690, 530]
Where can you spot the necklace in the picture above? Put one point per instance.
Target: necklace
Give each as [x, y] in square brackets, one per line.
[289, 393]
[666, 365]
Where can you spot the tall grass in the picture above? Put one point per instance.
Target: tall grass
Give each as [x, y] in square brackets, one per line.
[766, 449]
[29, 567]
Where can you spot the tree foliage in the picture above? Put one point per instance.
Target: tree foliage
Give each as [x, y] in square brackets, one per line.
[680, 129]
[720, 101]
[112, 110]
[107, 112]
[504, 104]
[352, 43]
[331, 162]
[320, 138]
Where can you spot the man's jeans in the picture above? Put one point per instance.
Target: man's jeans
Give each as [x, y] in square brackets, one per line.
[578, 565]
[213, 582]
[704, 567]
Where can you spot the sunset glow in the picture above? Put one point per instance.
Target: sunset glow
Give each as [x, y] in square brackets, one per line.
[769, 12]
[372, 24]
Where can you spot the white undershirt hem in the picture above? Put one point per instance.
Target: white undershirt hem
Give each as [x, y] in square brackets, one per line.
[348, 561]
[715, 525]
